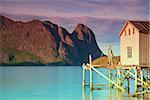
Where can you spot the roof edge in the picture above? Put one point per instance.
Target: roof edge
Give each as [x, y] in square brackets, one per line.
[125, 25]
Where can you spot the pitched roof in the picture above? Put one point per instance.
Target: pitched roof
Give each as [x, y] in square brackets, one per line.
[142, 26]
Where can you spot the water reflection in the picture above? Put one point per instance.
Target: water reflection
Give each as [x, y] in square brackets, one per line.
[114, 94]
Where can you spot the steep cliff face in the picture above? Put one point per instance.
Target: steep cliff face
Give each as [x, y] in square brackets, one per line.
[65, 45]
[47, 41]
[85, 41]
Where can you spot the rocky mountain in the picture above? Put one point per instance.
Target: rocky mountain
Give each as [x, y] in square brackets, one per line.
[45, 43]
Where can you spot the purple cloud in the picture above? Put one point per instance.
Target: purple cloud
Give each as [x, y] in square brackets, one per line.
[118, 9]
[104, 17]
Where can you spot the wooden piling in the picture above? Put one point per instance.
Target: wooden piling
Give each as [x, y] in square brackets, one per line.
[91, 77]
[83, 94]
[110, 77]
[118, 76]
[83, 77]
[135, 86]
[141, 76]
[91, 86]
[91, 94]
[128, 79]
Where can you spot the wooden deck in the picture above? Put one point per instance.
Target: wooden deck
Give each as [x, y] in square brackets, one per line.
[121, 66]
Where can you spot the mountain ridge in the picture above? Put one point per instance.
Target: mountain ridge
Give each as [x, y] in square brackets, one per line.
[48, 41]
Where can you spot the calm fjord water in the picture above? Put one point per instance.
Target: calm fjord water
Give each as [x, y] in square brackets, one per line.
[51, 83]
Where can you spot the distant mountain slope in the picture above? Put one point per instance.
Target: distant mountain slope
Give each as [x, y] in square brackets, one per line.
[104, 61]
[45, 42]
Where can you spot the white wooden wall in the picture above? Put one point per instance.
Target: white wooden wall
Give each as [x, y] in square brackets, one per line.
[131, 40]
[144, 49]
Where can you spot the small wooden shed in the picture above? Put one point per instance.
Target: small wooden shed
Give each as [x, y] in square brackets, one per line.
[135, 43]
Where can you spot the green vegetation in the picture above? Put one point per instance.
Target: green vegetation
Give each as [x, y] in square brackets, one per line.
[104, 60]
[13, 56]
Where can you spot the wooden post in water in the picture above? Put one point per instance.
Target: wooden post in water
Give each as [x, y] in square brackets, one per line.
[118, 76]
[128, 79]
[110, 63]
[141, 74]
[148, 74]
[110, 94]
[91, 94]
[110, 77]
[83, 94]
[91, 78]
[135, 86]
[83, 75]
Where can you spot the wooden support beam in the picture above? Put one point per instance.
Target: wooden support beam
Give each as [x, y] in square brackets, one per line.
[124, 76]
[120, 87]
[118, 76]
[148, 74]
[90, 59]
[138, 78]
[110, 77]
[141, 76]
[100, 84]
[91, 77]
[91, 94]
[83, 77]
[83, 94]
[91, 80]
[128, 84]
[135, 82]
[111, 94]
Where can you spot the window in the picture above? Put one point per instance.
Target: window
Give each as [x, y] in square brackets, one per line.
[129, 31]
[129, 52]
[133, 31]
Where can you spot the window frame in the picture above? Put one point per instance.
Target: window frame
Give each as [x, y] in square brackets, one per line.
[129, 52]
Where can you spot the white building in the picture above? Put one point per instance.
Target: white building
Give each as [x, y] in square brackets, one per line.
[135, 43]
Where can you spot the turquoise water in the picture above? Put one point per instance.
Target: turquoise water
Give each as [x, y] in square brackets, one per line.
[52, 83]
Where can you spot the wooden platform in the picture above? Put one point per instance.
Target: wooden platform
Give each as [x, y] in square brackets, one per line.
[119, 66]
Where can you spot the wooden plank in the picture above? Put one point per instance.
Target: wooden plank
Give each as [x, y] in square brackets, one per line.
[100, 85]
[121, 66]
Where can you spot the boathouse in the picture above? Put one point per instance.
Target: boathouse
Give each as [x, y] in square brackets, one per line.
[135, 43]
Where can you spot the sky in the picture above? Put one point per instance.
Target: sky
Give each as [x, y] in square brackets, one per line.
[104, 17]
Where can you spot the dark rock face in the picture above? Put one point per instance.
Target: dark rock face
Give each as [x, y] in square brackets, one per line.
[49, 41]
[85, 41]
